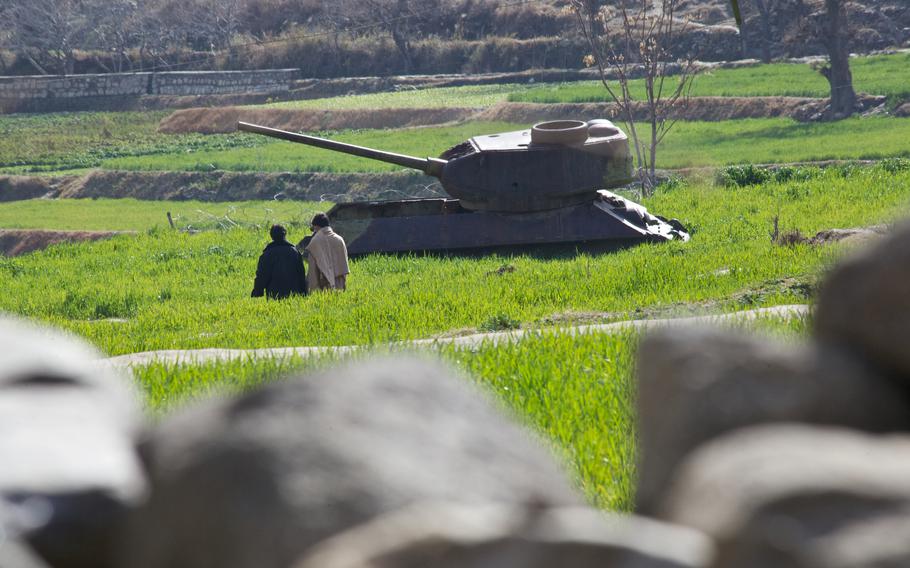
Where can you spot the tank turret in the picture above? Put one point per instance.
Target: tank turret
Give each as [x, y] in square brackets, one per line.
[554, 164]
[538, 186]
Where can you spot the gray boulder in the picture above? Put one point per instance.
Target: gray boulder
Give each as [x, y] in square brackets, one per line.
[698, 383]
[256, 481]
[864, 304]
[444, 535]
[69, 466]
[880, 542]
[16, 554]
[797, 496]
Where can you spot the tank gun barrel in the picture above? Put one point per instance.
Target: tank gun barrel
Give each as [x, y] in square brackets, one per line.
[430, 166]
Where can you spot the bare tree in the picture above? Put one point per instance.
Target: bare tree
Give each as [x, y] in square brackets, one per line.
[831, 29]
[207, 25]
[401, 19]
[48, 31]
[116, 30]
[642, 48]
[764, 16]
[6, 40]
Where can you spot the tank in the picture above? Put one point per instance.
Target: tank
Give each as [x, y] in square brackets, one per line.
[547, 185]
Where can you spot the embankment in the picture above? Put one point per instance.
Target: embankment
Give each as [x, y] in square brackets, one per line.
[224, 120]
[221, 186]
[14, 242]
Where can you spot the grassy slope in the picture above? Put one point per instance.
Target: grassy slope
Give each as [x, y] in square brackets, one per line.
[880, 75]
[134, 215]
[184, 291]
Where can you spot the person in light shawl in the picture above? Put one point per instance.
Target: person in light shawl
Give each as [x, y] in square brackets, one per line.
[327, 257]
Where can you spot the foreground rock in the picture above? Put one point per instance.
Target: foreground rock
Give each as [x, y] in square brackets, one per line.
[16, 554]
[68, 469]
[864, 305]
[458, 536]
[256, 481]
[699, 383]
[798, 496]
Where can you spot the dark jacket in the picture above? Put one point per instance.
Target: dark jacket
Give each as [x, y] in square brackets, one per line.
[280, 272]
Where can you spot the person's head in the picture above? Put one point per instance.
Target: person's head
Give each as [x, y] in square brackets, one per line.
[320, 221]
[278, 233]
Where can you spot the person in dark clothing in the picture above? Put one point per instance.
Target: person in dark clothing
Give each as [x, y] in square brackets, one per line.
[280, 272]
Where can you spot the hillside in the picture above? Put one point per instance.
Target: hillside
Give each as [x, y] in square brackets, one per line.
[403, 37]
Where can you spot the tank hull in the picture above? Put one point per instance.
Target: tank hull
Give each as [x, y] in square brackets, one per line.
[443, 225]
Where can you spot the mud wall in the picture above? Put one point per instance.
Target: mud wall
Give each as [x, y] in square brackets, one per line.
[222, 186]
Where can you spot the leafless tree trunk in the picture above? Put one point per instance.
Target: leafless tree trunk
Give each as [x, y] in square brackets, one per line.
[832, 32]
[642, 46]
[764, 16]
[837, 72]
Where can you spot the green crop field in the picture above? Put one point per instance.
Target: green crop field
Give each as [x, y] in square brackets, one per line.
[165, 289]
[74, 142]
[879, 75]
[63, 142]
[689, 144]
[135, 215]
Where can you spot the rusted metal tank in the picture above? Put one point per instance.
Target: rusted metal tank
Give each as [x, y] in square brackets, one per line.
[545, 185]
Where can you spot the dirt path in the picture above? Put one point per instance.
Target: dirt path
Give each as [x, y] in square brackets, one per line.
[467, 341]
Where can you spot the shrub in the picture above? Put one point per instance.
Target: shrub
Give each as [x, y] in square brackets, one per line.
[743, 176]
[894, 165]
[500, 322]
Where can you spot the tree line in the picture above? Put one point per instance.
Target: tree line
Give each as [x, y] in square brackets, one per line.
[128, 35]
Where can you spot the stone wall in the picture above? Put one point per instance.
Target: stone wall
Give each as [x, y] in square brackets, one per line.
[56, 92]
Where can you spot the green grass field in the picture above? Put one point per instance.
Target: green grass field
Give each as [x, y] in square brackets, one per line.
[689, 144]
[166, 289]
[63, 142]
[879, 75]
[135, 215]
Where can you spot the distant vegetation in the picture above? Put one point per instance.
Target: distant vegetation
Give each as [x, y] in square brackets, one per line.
[341, 37]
